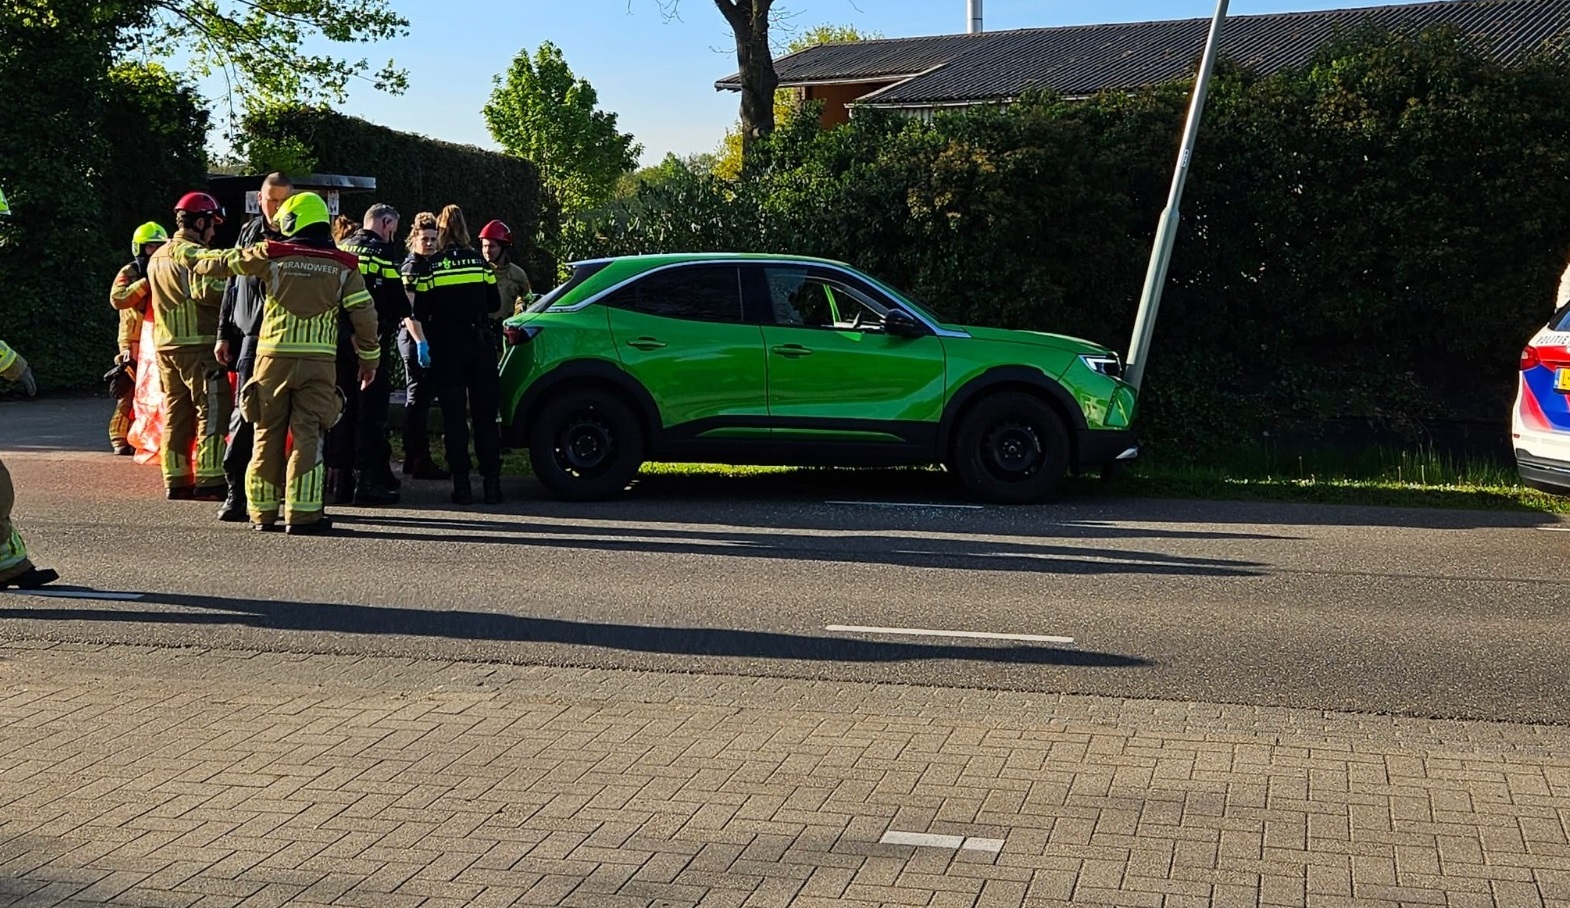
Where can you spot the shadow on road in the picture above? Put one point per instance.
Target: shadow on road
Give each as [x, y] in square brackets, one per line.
[323, 617]
[884, 549]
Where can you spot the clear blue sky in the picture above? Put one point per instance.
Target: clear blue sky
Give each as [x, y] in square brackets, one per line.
[658, 75]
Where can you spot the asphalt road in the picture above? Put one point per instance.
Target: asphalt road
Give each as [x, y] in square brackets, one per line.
[1413, 612]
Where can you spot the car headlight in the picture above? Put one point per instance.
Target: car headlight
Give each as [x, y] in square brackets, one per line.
[1104, 363]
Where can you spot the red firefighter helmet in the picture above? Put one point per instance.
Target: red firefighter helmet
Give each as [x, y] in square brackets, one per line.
[200, 203]
[497, 231]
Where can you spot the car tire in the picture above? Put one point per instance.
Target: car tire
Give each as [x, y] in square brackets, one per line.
[1011, 448]
[586, 445]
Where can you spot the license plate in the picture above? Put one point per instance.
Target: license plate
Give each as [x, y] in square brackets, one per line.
[1562, 380]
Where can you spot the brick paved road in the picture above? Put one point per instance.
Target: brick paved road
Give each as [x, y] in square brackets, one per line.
[166, 777]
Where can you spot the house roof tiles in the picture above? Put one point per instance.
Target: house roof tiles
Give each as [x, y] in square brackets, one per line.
[1084, 59]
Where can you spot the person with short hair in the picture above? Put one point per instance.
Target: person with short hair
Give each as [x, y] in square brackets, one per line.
[239, 322]
[359, 441]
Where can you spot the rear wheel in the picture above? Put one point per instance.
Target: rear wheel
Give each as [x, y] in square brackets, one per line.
[586, 445]
[1011, 448]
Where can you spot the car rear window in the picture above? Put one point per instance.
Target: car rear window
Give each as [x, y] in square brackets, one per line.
[580, 273]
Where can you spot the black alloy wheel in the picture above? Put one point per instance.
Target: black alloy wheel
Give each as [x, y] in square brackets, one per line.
[1011, 448]
[586, 445]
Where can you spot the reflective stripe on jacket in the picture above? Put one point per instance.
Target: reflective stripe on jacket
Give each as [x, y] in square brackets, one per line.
[184, 303]
[129, 294]
[11, 363]
[307, 289]
[456, 292]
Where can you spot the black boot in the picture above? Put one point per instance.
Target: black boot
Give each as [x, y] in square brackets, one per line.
[493, 489]
[461, 493]
[370, 493]
[233, 510]
[31, 579]
[340, 486]
[424, 468]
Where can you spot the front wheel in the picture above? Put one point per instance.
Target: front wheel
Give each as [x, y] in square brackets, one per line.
[586, 445]
[1011, 448]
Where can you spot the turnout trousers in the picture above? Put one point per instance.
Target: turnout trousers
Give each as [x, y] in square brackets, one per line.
[287, 398]
[124, 410]
[13, 552]
[194, 418]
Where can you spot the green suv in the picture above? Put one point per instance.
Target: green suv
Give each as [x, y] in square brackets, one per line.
[771, 359]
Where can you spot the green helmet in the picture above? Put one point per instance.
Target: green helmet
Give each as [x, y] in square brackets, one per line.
[150, 232]
[300, 211]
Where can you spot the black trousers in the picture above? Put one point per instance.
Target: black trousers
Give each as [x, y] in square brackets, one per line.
[421, 389]
[241, 433]
[359, 440]
[469, 388]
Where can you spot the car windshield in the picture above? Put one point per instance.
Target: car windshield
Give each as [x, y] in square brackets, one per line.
[907, 300]
[580, 273]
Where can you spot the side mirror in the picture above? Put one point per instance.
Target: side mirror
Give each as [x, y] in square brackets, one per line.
[899, 323]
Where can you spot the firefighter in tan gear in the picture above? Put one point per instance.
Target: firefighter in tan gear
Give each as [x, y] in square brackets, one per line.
[185, 327]
[129, 296]
[15, 569]
[309, 285]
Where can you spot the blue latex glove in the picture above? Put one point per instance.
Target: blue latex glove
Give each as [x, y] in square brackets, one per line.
[422, 354]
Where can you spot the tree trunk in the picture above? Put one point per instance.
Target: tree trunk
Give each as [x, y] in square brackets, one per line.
[749, 19]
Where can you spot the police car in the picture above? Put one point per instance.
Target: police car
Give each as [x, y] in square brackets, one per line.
[1540, 423]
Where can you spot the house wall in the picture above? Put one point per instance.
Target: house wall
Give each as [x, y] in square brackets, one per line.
[837, 99]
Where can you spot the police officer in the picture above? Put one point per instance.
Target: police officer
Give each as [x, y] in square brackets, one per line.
[129, 296]
[15, 569]
[359, 441]
[185, 325]
[309, 285]
[452, 304]
[239, 323]
[420, 386]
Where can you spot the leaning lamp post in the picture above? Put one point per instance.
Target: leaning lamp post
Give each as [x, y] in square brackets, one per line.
[1166, 231]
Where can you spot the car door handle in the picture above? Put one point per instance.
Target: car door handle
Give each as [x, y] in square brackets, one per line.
[646, 343]
[791, 350]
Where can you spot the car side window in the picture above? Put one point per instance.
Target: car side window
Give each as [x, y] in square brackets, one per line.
[804, 300]
[702, 293]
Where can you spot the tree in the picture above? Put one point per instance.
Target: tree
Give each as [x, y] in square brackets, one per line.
[787, 102]
[749, 20]
[258, 44]
[546, 114]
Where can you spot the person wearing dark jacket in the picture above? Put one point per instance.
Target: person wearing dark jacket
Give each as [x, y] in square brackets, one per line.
[452, 304]
[420, 385]
[359, 440]
[239, 324]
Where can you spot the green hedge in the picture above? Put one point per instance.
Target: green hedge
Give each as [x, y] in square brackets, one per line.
[414, 173]
[1368, 239]
[89, 151]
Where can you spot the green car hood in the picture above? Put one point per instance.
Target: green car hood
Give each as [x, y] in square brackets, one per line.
[1061, 342]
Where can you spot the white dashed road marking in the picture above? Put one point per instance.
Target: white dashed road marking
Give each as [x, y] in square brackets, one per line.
[909, 504]
[79, 594]
[924, 632]
[932, 840]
